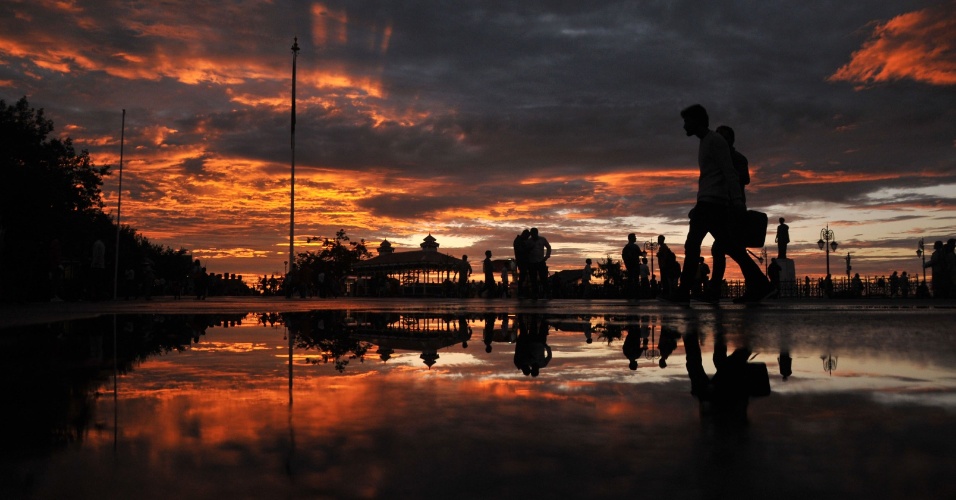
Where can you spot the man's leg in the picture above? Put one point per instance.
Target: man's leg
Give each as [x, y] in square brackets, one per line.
[754, 278]
[695, 235]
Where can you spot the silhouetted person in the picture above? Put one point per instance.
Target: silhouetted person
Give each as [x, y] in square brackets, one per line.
[937, 264]
[894, 284]
[783, 237]
[741, 165]
[786, 364]
[488, 268]
[773, 272]
[949, 266]
[645, 277]
[703, 271]
[668, 262]
[718, 254]
[719, 206]
[521, 260]
[904, 284]
[538, 255]
[464, 271]
[586, 273]
[631, 256]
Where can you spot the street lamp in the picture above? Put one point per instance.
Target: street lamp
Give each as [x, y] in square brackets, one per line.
[922, 255]
[295, 55]
[829, 363]
[651, 246]
[827, 242]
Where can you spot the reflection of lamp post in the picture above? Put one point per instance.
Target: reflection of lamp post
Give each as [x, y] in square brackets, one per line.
[651, 247]
[829, 363]
[827, 242]
[922, 255]
[652, 352]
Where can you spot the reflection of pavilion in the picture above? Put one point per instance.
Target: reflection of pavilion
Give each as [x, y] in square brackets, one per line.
[415, 333]
[419, 272]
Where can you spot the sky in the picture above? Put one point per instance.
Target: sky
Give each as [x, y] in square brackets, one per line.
[473, 120]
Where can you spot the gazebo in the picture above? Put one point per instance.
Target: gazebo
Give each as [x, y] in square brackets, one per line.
[420, 272]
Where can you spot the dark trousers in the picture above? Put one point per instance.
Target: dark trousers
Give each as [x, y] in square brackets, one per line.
[538, 272]
[719, 221]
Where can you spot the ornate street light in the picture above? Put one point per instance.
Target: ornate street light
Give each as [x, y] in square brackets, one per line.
[922, 255]
[827, 242]
[650, 247]
[829, 363]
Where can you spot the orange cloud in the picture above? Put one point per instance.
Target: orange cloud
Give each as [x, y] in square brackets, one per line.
[918, 45]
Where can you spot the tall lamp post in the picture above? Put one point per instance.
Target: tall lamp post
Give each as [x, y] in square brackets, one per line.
[295, 54]
[827, 242]
[650, 246]
[922, 255]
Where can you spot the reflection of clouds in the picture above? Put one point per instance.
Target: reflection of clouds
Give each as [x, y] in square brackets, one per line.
[230, 347]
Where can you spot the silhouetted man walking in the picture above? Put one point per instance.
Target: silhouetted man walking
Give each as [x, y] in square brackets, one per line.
[719, 201]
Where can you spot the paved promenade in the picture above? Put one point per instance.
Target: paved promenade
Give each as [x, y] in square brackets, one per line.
[37, 313]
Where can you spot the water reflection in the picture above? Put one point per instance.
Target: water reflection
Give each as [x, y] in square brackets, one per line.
[204, 403]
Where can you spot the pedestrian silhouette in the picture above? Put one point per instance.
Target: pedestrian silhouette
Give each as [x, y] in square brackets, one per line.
[719, 207]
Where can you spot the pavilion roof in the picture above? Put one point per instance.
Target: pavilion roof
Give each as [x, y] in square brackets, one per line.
[402, 261]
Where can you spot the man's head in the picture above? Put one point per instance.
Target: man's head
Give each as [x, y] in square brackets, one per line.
[781, 220]
[534, 233]
[487, 253]
[660, 239]
[632, 237]
[695, 118]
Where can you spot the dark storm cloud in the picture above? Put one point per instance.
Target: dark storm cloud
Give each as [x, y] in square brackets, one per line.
[506, 102]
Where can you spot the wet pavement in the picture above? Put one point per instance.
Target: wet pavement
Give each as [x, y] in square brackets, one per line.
[343, 398]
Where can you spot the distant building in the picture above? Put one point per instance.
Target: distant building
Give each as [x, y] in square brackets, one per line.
[416, 273]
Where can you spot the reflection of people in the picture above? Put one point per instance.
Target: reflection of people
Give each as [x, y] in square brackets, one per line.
[667, 344]
[634, 346]
[488, 335]
[532, 351]
[783, 237]
[726, 395]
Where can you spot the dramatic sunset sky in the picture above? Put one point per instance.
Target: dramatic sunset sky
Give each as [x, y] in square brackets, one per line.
[471, 120]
